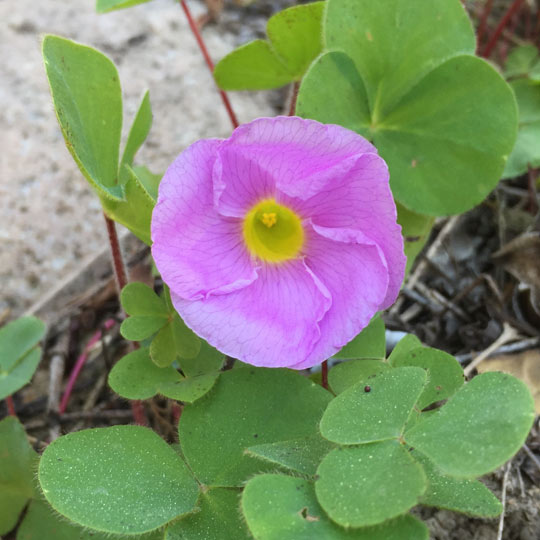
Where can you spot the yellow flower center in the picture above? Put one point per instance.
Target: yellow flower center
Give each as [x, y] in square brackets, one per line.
[273, 232]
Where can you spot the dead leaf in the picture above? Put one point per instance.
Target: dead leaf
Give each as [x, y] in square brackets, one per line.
[521, 258]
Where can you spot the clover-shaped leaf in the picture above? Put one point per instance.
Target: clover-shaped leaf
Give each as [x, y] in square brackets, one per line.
[294, 41]
[285, 508]
[120, 479]
[218, 517]
[427, 105]
[369, 343]
[300, 455]
[354, 483]
[135, 376]
[151, 314]
[16, 472]
[479, 428]
[19, 353]
[403, 346]
[240, 411]
[457, 494]
[374, 412]
[445, 375]
[349, 373]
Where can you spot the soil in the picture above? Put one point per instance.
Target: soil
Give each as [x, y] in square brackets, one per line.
[458, 298]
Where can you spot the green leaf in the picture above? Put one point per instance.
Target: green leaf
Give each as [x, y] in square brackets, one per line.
[334, 74]
[208, 360]
[300, 455]
[104, 6]
[19, 353]
[173, 340]
[189, 389]
[141, 327]
[218, 517]
[445, 375]
[253, 66]
[479, 428]
[403, 346]
[427, 33]
[88, 100]
[457, 494]
[415, 229]
[360, 416]
[369, 343]
[136, 211]
[18, 338]
[140, 299]
[16, 472]
[239, 412]
[369, 484]
[121, 479]
[427, 105]
[522, 61]
[149, 180]
[349, 373]
[285, 508]
[137, 135]
[295, 40]
[135, 376]
[526, 151]
[148, 311]
[41, 523]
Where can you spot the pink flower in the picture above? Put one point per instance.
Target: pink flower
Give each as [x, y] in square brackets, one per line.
[279, 243]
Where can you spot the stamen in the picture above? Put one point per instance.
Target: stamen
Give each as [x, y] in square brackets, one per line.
[269, 219]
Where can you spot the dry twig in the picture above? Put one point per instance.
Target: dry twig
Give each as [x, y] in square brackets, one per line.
[509, 333]
[503, 501]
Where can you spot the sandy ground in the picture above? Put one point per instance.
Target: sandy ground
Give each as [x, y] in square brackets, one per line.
[50, 219]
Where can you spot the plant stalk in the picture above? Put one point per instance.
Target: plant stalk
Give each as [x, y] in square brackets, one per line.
[294, 97]
[10, 406]
[324, 374]
[121, 281]
[483, 24]
[208, 60]
[516, 4]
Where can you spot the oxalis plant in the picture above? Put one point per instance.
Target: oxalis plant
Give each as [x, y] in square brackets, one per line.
[278, 248]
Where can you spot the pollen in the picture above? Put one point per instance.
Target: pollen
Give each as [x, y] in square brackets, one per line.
[269, 219]
[273, 232]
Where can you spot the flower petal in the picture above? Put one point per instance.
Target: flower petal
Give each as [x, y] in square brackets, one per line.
[360, 199]
[273, 322]
[197, 251]
[353, 269]
[293, 154]
[239, 181]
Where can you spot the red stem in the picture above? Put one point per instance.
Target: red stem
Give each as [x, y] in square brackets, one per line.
[324, 373]
[118, 261]
[498, 31]
[10, 406]
[294, 97]
[121, 280]
[208, 60]
[81, 360]
[483, 24]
